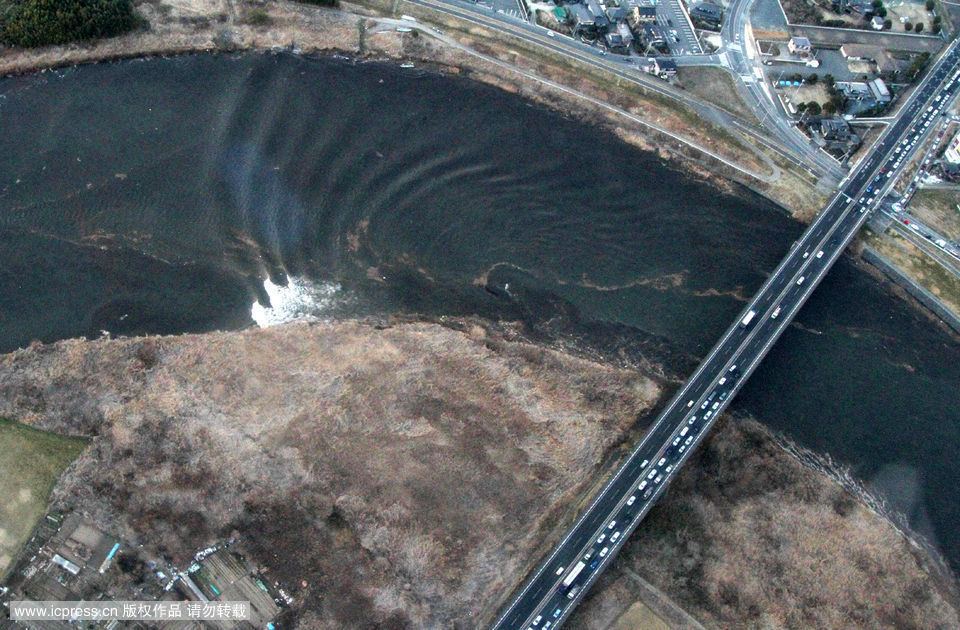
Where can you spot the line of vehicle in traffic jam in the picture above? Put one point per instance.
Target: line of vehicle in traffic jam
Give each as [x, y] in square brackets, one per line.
[906, 145]
[653, 476]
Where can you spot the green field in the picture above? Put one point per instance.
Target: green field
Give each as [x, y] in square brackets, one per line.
[30, 463]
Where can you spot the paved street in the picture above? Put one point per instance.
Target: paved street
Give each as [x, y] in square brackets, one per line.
[744, 60]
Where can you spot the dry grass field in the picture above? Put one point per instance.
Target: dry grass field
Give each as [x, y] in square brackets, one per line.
[401, 476]
[409, 475]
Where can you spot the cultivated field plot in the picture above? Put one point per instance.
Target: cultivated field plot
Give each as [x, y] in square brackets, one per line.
[716, 86]
[920, 267]
[940, 209]
[30, 463]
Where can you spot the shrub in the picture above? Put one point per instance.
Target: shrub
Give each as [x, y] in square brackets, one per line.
[813, 108]
[887, 25]
[257, 17]
[918, 27]
[930, 5]
[812, 78]
[322, 3]
[31, 23]
[908, 26]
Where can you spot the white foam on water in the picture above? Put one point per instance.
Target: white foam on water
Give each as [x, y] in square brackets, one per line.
[299, 299]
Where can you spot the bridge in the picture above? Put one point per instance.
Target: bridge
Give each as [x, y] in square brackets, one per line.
[556, 586]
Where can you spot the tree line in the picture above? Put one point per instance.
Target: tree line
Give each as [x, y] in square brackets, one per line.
[31, 23]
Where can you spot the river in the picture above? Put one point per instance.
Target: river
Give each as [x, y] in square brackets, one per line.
[156, 196]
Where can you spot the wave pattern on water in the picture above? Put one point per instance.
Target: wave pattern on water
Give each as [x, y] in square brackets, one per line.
[205, 192]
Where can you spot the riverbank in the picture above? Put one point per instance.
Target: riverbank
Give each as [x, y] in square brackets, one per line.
[637, 115]
[484, 446]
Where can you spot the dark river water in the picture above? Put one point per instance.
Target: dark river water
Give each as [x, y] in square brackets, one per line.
[156, 196]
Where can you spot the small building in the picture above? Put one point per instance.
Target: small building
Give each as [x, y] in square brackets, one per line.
[707, 13]
[625, 34]
[877, 23]
[879, 91]
[561, 14]
[952, 153]
[646, 13]
[664, 67]
[651, 36]
[583, 20]
[859, 52]
[799, 46]
[616, 14]
[834, 134]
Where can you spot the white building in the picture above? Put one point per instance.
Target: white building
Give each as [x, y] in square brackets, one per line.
[952, 154]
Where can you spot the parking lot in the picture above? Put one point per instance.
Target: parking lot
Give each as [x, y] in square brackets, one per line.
[680, 36]
[513, 8]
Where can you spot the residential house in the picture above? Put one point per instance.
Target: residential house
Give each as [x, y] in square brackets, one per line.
[650, 36]
[707, 13]
[862, 96]
[834, 134]
[583, 20]
[614, 42]
[664, 67]
[799, 46]
[857, 7]
[625, 34]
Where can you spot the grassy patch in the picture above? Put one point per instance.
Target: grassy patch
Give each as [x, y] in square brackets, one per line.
[639, 617]
[938, 209]
[30, 463]
[924, 270]
[715, 85]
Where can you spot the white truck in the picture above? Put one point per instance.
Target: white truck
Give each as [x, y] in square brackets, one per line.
[574, 572]
[748, 318]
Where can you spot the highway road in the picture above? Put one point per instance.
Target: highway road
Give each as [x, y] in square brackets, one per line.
[559, 582]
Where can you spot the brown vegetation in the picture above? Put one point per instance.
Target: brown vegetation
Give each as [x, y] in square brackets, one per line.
[397, 477]
[390, 477]
[750, 538]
